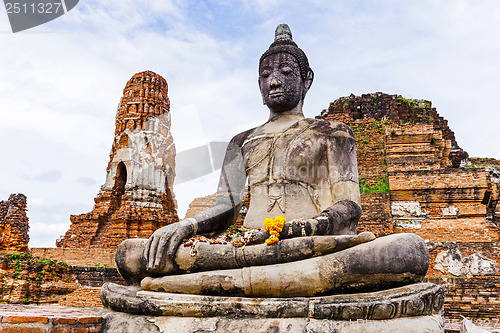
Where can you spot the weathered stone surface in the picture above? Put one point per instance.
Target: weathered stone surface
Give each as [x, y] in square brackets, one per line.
[411, 300]
[413, 308]
[14, 224]
[213, 256]
[137, 196]
[478, 264]
[304, 183]
[205, 256]
[124, 323]
[451, 262]
[406, 209]
[385, 262]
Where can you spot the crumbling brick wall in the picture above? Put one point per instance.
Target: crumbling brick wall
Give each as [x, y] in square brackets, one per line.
[438, 190]
[398, 110]
[475, 297]
[470, 229]
[472, 297]
[492, 199]
[201, 204]
[14, 224]
[86, 257]
[28, 279]
[96, 276]
[421, 158]
[418, 154]
[376, 214]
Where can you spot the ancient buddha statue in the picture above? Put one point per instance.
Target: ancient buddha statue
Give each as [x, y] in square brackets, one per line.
[301, 169]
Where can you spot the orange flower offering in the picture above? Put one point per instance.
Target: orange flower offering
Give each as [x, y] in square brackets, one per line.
[274, 227]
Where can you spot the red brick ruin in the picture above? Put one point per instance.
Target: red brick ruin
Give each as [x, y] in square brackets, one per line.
[137, 196]
[14, 224]
[409, 168]
[408, 146]
[411, 181]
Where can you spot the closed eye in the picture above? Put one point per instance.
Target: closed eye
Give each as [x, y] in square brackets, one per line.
[265, 73]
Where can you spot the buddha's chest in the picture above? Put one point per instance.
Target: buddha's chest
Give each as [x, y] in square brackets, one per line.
[285, 157]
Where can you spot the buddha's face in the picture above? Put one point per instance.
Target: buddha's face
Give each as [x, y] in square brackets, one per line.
[281, 85]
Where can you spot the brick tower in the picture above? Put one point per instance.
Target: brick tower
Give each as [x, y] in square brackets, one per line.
[137, 196]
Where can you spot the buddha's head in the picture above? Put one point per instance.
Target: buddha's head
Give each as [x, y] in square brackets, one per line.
[284, 73]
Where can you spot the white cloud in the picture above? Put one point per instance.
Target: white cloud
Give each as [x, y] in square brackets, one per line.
[186, 128]
[186, 192]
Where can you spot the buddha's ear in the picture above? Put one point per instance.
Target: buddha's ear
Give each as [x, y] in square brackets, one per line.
[308, 81]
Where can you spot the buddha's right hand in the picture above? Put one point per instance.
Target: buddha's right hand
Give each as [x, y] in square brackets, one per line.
[161, 247]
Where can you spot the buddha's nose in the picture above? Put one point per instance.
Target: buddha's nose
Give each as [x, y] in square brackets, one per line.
[275, 83]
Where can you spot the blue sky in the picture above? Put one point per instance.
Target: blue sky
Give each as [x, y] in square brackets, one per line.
[62, 81]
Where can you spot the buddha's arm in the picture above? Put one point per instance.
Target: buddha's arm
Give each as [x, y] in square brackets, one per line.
[338, 219]
[161, 247]
[229, 194]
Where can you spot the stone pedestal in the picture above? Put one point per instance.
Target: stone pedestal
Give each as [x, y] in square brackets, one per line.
[410, 309]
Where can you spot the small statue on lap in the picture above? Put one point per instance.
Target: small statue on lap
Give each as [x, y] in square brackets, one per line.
[303, 179]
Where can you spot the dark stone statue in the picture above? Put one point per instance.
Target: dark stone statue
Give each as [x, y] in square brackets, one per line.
[302, 169]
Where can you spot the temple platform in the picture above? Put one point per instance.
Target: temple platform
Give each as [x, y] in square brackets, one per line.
[414, 308]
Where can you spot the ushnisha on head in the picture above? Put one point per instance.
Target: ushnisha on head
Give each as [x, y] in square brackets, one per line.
[283, 43]
[284, 74]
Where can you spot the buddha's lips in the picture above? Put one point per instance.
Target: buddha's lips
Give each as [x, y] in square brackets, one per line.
[276, 94]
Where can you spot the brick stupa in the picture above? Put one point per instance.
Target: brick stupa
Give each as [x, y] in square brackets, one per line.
[137, 197]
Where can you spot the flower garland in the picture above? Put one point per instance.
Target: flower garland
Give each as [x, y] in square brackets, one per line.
[240, 237]
[300, 222]
[274, 227]
[237, 237]
[193, 242]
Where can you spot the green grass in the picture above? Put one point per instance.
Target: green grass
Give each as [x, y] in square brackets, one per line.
[382, 185]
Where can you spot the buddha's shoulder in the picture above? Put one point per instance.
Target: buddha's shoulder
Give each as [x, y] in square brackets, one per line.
[240, 138]
[319, 127]
[328, 127]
